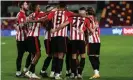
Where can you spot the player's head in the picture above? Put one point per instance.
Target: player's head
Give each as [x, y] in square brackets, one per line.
[24, 5]
[35, 7]
[91, 11]
[82, 11]
[54, 9]
[51, 8]
[62, 5]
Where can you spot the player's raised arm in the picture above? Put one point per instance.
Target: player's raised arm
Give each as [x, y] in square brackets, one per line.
[88, 26]
[20, 19]
[43, 19]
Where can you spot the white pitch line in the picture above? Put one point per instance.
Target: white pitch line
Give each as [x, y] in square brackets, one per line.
[3, 43]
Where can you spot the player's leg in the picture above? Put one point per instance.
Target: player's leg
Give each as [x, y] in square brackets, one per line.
[97, 55]
[68, 59]
[55, 57]
[82, 60]
[94, 58]
[74, 59]
[20, 51]
[61, 49]
[47, 61]
[78, 62]
[28, 61]
[68, 64]
[34, 48]
[74, 66]
[53, 66]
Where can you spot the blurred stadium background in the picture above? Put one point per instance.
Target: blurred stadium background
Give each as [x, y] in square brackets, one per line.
[111, 14]
[116, 26]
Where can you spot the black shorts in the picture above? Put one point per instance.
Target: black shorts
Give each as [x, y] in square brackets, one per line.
[94, 48]
[58, 44]
[47, 44]
[33, 44]
[78, 46]
[22, 46]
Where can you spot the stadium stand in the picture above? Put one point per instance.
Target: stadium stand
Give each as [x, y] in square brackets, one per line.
[117, 13]
[113, 14]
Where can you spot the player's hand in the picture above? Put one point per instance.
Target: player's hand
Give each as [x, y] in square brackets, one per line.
[80, 32]
[52, 30]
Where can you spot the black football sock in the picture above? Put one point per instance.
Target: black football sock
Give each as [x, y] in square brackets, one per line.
[81, 67]
[46, 63]
[57, 66]
[61, 64]
[68, 62]
[97, 63]
[32, 68]
[19, 61]
[74, 67]
[93, 62]
[28, 61]
[54, 61]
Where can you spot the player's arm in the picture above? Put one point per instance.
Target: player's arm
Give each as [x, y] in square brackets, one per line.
[71, 14]
[43, 19]
[15, 23]
[20, 20]
[88, 26]
[61, 26]
[95, 27]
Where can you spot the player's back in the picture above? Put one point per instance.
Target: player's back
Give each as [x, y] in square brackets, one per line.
[77, 23]
[59, 17]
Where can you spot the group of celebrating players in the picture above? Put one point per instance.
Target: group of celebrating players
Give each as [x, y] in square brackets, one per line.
[66, 34]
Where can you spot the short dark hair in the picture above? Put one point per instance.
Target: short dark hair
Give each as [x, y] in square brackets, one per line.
[62, 4]
[21, 3]
[82, 8]
[33, 6]
[48, 6]
[91, 11]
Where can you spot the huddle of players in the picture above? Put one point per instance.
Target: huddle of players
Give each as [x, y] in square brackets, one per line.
[83, 28]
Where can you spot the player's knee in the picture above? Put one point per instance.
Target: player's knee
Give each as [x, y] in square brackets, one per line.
[82, 55]
[60, 56]
[74, 56]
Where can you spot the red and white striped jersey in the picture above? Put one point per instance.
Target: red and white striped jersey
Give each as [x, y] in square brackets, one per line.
[94, 38]
[78, 24]
[21, 31]
[58, 17]
[34, 28]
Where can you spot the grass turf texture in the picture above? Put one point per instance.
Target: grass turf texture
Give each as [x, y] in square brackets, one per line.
[116, 59]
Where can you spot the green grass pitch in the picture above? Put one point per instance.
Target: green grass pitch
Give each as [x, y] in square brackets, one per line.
[116, 59]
